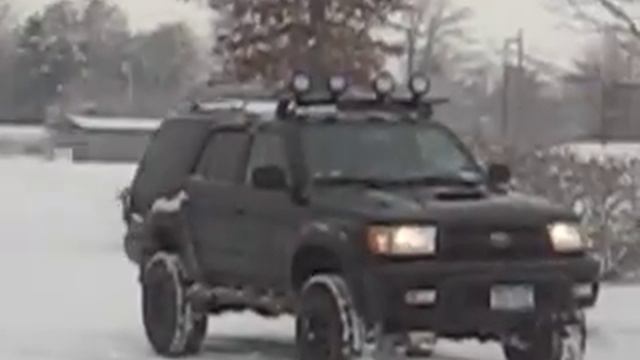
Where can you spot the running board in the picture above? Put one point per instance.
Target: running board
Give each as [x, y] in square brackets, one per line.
[222, 299]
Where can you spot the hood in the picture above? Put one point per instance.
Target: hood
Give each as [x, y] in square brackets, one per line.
[442, 205]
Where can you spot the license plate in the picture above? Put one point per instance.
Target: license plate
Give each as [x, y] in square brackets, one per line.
[512, 297]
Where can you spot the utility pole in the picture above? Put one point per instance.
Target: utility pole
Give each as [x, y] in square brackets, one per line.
[411, 52]
[505, 92]
[127, 71]
[317, 53]
[506, 85]
[520, 42]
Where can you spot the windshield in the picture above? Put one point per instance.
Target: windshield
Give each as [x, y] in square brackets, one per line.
[392, 152]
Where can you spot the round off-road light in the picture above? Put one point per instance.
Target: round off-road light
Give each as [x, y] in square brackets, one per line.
[301, 83]
[337, 85]
[384, 84]
[419, 85]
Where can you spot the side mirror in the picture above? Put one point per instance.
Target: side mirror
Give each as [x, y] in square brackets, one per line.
[499, 174]
[270, 177]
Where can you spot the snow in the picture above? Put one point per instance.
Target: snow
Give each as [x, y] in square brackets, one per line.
[170, 205]
[69, 292]
[589, 150]
[115, 123]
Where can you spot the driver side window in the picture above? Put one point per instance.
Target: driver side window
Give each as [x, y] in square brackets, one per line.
[267, 150]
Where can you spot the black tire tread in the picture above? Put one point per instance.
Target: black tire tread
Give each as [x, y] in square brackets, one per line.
[185, 334]
[332, 293]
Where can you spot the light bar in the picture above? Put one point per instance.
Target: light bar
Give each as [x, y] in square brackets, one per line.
[384, 84]
[300, 83]
[419, 85]
[337, 85]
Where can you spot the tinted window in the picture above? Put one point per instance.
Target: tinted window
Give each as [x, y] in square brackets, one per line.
[224, 156]
[267, 149]
[168, 160]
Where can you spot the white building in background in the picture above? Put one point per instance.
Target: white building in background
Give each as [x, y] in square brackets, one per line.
[91, 138]
[25, 137]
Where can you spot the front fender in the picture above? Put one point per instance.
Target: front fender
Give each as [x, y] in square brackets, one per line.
[344, 240]
[338, 237]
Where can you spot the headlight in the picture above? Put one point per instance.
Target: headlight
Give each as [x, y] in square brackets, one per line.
[566, 237]
[402, 240]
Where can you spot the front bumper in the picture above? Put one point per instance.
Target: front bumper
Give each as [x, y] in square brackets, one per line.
[462, 303]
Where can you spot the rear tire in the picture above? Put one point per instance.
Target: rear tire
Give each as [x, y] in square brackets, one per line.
[171, 325]
[327, 325]
[132, 249]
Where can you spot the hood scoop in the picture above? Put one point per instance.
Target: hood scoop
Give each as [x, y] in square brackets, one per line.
[460, 195]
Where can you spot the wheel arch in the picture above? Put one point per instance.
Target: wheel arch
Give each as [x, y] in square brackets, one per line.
[171, 233]
[313, 259]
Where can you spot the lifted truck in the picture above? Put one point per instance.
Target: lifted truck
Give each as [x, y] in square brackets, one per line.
[363, 217]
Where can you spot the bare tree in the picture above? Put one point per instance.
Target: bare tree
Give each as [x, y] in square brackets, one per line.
[267, 39]
[620, 15]
[435, 35]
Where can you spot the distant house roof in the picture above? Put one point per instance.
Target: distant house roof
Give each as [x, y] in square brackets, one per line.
[21, 122]
[114, 123]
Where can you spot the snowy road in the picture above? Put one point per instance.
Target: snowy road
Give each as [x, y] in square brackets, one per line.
[68, 292]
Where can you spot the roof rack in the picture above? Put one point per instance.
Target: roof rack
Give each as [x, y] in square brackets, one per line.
[227, 96]
[301, 98]
[318, 102]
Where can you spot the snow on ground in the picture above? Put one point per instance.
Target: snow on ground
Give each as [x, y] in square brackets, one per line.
[68, 292]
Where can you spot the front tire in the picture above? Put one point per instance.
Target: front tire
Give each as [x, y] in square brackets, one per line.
[422, 348]
[172, 326]
[327, 324]
[549, 341]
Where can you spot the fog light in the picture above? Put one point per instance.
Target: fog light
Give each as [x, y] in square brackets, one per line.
[420, 297]
[583, 291]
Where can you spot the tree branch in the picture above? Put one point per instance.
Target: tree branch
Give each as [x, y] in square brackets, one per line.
[615, 8]
[618, 12]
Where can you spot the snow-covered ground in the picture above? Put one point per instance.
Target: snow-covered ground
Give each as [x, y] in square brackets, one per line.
[68, 292]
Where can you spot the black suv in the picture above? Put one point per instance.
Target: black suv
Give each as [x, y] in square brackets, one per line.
[359, 214]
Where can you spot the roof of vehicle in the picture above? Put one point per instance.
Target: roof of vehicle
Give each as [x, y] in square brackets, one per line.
[265, 107]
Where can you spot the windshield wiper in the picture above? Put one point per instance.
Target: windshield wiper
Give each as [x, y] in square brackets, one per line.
[347, 180]
[425, 180]
[435, 180]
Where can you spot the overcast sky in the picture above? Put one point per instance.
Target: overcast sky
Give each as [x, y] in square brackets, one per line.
[143, 14]
[494, 20]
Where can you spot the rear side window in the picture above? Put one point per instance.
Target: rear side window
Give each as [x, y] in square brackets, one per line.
[168, 160]
[224, 157]
[268, 149]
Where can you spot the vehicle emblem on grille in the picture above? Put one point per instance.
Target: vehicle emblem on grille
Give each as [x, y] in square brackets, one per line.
[500, 240]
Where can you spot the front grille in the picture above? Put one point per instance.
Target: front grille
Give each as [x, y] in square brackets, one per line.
[470, 243]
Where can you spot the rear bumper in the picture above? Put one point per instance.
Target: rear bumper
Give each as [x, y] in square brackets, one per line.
[462, 303]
